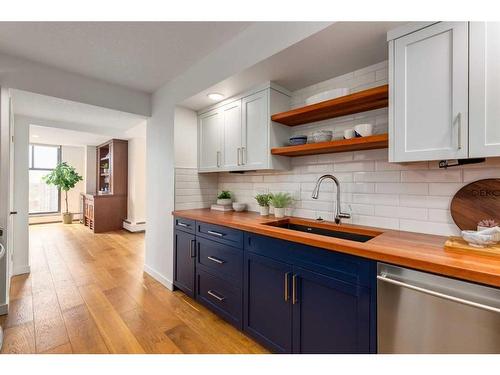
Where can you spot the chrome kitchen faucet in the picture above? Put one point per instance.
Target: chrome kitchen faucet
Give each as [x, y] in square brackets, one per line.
[338, 213]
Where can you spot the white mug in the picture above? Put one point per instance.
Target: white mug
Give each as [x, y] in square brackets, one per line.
[349, 133]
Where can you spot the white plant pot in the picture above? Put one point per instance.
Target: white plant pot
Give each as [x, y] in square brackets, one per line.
[264, 210]
[279, 212]
[225, 202]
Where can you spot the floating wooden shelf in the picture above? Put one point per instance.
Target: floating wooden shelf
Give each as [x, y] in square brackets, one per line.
[354, 144]
[362, 101]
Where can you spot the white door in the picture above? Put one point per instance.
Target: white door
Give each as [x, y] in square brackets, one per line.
[209, 141]
[255, 131]
[231, 118]
[430, 94]
[484, 100]
[5, 194]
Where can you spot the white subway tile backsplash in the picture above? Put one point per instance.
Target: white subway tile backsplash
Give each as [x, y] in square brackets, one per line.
[402, 188]
[430, 227]
[387, 176]
[471, 175]
[355, 166]
[401, 212]
[442, 175]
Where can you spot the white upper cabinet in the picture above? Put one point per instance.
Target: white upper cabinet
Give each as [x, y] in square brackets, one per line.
[231, 119]
[428, 79]
[484, 100]
[255, 123]
[210, 140]
[238, 134]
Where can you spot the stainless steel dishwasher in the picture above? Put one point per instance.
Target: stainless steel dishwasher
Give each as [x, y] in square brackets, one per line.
[418, 312]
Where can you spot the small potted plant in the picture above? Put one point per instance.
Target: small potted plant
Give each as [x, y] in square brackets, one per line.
[105, 168]
[263, 202]
[64, 177]
[280, 201]
[224, 198]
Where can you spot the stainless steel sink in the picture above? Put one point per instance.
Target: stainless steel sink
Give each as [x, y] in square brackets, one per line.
[322, 229]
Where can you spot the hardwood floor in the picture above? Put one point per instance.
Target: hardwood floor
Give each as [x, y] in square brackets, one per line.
[87, 293]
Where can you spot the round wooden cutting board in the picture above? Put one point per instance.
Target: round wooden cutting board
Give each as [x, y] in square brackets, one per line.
[476, 201]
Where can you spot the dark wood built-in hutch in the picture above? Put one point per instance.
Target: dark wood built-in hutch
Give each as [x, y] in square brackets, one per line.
[106, 209]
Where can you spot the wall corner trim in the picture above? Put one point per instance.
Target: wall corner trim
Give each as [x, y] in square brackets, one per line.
[159, 277]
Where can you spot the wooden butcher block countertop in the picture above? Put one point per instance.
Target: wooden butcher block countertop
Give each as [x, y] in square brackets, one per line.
[414, 250]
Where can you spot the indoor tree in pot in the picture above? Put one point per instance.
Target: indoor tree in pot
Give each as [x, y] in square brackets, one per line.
[263, 202]
[280, 201]
[64, 177]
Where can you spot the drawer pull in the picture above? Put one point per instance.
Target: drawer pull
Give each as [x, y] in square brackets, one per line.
[217, 234]
[287, 294]
[193, 248]
[181, 224]
[216, 296]
[216, 260]
[294, 289]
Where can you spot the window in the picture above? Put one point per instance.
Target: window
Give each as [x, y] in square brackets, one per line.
[43, 198]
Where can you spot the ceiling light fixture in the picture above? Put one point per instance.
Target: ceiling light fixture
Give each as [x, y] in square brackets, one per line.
[215, 96]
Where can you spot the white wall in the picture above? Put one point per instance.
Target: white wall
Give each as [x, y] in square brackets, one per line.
[244, 50]
[185, 138]
[21, 195]
[90, 170]
[5, 192]
[18, 73]
[136, 206]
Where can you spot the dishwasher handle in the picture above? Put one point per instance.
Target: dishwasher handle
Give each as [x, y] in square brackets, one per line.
[384, 278]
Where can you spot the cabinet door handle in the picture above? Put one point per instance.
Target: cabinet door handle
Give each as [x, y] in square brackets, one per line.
[243, 155]
[216, 260]
[216, 296]
[459, 129]
[287, 294]
[238, 151]
[213, 233]
[181, 224]
[193, 248]
[294, 289]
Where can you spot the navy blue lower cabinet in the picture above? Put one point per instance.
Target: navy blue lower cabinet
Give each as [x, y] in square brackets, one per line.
[221, 296]
[267, 313]
[184, 261]
[329, 315]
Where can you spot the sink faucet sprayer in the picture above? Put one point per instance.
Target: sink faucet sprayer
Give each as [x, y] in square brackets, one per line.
[338, 213]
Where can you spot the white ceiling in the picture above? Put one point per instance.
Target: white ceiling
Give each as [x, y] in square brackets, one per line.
[73, 115]
[340, 48]
[51, 136]
[138, 55]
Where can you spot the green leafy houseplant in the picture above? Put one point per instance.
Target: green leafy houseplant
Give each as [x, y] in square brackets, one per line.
[64, 177]
[224, 198]
[224, 194]
[263, 199]
[280, 201]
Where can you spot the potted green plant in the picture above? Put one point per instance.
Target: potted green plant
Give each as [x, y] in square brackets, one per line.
[64, 177]
[263, 202]
[280, 201]
[224, 198]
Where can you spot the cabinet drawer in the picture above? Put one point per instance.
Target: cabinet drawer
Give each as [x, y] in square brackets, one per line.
[219, 233]
[186, 225]
[220, 296]
[222, 260]
[341, 266]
